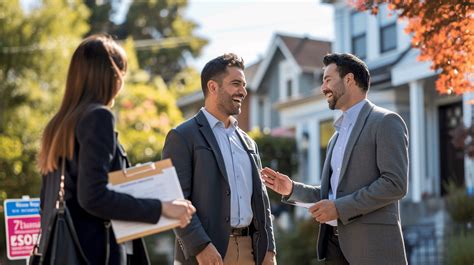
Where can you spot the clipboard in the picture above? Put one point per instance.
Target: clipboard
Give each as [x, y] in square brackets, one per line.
[155, 180]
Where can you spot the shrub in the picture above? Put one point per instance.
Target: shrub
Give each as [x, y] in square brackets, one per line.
[460, 250]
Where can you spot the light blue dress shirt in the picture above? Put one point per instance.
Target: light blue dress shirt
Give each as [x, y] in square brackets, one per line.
[343, 126]
[238, 168]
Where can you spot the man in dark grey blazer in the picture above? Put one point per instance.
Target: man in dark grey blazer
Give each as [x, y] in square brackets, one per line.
[218, 166]
[364, 176]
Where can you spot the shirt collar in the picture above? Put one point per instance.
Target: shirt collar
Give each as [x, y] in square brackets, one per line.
[213, 121]
[350, 116]
[353, 112]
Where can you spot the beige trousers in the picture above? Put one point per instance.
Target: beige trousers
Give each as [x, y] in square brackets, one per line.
[239, 252]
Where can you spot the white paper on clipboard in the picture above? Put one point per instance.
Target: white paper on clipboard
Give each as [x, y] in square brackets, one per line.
[156, 180]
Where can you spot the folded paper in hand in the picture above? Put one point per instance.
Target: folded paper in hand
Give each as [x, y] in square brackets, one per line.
[299, 204]
[154, 180]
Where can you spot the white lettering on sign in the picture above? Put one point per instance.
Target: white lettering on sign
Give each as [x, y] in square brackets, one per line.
[23, 240]
[19, 224]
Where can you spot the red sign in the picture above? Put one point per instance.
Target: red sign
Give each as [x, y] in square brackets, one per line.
[23, 234]
[23, 225]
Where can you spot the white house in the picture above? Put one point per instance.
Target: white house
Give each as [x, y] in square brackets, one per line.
[405, 85]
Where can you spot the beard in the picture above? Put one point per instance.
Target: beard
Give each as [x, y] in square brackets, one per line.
[336, 95]
[332, 102]
[228, 106]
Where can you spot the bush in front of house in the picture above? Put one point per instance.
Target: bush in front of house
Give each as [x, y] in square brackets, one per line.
[460, 205]
[460, 250]
[298, 245]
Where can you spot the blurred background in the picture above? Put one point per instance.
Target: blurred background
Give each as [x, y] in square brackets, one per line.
[420, 58]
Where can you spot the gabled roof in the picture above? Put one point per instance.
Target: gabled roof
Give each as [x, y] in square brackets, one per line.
[304, 52]
[307, 52]
[251, 70]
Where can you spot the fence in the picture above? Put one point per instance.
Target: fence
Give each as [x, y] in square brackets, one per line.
[426, 245]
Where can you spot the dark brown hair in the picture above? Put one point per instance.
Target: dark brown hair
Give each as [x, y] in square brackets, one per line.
[97, 66]
[348, 63]
[214, 69]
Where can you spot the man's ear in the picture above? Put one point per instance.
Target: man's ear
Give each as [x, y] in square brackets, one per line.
[349, 78]
[212, 86]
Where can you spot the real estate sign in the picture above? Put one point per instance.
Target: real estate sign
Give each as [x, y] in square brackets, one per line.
[22, 223]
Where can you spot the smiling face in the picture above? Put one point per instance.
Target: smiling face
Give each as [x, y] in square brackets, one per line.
[333, 88]
[230, 92]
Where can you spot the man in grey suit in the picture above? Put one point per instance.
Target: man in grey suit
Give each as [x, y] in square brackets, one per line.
[218, 166]
[364, 175]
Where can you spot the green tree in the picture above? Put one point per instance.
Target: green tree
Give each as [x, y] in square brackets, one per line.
[35, 47]
[100, 17]
[169, 36]
[185, 82]
[146, 111]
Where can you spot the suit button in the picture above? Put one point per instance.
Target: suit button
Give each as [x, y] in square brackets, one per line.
[227, 219]
[227, 192]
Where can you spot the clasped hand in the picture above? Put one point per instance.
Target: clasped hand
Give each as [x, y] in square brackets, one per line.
[179, 209]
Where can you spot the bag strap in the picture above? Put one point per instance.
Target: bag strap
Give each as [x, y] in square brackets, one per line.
[60, 201]
[59, 206]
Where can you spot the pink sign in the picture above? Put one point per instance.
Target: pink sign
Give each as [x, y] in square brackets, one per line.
[23, 225]
[23, 234]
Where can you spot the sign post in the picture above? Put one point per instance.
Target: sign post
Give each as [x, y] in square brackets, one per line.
[22, 223]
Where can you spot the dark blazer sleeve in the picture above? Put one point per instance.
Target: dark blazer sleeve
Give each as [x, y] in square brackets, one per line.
[266, 204]
[97, 146]
[193, 237]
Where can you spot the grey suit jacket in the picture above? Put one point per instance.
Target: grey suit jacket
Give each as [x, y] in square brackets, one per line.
[373, 179]
[197, 158]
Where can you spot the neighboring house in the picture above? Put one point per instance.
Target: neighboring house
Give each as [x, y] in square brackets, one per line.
[286, 98]
[405, 85]
[190, 104]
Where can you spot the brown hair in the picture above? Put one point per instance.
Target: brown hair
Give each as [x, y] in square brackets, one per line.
[214, 69]
[349, 63]
[96, 68]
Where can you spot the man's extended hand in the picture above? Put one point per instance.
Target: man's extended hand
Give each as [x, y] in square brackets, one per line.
[324, 211]
[209, 255]
[276, 181]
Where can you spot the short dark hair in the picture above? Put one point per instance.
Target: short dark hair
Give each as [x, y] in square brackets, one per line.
[349, 63]
[214, 69]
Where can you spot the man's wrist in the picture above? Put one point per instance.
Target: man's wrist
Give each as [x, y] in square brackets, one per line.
[201, 247]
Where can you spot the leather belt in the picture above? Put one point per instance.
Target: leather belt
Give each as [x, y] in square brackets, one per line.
[242, 231]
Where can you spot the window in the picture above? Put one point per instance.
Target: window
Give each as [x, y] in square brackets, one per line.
[289, 88]
[358, 34]
[388, 29]
[326, 130]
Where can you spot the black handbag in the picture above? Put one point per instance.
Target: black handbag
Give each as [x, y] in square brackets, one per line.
[61, 246]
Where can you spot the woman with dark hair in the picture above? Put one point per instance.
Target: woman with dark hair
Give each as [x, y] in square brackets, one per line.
[83, 133]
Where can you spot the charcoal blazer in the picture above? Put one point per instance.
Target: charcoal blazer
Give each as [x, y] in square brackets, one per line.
[197, 158]
[374, 177]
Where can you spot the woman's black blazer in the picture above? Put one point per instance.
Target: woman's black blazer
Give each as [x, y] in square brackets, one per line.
[96, 153]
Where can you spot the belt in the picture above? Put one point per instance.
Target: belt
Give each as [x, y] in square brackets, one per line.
[242, 231]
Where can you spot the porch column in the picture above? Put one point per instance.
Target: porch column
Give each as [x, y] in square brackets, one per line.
[468, 116]
[417, 139]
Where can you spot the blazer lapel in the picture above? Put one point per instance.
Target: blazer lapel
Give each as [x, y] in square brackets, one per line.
[326, 173]
[207, 133]
[358, 126]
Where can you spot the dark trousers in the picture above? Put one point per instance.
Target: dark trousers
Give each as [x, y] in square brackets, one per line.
[334, 255]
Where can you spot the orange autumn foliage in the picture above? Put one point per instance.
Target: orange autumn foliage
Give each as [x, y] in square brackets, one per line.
[443, 30]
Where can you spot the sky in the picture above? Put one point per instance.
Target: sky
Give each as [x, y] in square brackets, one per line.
[246, 27]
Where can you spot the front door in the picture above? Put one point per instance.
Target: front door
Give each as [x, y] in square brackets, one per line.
[452, 159]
